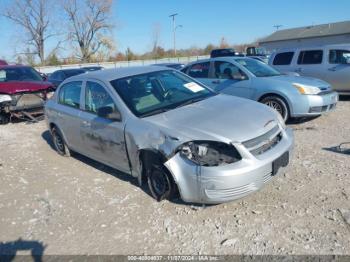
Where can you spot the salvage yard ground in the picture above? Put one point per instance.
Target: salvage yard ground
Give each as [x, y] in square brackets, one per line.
[77, 206]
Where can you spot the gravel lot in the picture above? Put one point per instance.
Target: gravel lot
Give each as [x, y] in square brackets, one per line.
[77, 206]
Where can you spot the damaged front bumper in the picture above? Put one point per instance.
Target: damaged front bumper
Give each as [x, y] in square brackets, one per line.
[220, 184]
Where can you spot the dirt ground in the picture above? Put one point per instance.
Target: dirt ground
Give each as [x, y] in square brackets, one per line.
[77, 206]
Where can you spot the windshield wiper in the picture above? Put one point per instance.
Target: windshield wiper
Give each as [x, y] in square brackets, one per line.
[155, 112]
[190, 101]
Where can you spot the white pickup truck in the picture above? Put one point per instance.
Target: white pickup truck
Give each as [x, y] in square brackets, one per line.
[330, 63]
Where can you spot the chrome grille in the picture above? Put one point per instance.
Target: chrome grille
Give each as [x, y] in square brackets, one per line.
[265, 142]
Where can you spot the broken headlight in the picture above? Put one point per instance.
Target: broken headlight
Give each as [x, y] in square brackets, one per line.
[209, 153]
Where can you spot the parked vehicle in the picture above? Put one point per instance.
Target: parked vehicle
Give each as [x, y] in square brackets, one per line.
[291, 96]
[177, 66]
[57, 77]
[3, 62]
[224, 52]
[92, 68]
[330, 63]
[170, 131]
[22, 92]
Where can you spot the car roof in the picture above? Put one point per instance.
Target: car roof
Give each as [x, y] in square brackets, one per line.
[222, 58]
[117, 73]
[70, 69]
[13, 66]
[292, 49]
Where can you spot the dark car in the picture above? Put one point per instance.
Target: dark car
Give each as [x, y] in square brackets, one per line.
[177, 66]
[3, 62]
[57, 77]
[93, 68]
[22, 92]
[223, 52]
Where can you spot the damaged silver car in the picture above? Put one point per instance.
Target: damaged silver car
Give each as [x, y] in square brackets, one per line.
[171, 132]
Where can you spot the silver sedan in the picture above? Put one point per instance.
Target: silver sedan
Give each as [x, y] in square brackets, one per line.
[171, 132]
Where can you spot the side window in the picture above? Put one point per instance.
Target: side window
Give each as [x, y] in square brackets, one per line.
[200, 70]
[283, 58]
[226, 70]
[310, 57]
[97, 97]
[70, 94]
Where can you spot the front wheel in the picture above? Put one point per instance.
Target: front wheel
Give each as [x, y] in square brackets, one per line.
[4, 118]
[160, 183]
[277, 104]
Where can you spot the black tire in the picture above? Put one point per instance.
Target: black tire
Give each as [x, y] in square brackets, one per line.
[160, 183]
[4, 118]
[59, 143]
[277, 104]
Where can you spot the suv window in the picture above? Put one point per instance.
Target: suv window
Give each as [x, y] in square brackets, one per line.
[200, 70]
[226, 70]
[283, 58]
[310, 57]
[339, 56]
[97, 97]
[70, 94]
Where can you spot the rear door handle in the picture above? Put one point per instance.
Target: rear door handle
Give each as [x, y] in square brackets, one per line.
[86, 123]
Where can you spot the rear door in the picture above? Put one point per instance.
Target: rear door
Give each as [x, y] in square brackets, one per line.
[67, 113]
[103, 139]
[338, 70]
[200, 71]
[231, 79]
[311, 63]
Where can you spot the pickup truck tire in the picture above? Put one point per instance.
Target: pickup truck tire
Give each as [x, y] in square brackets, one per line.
[4, 118]
[59, 143]
[278, 104]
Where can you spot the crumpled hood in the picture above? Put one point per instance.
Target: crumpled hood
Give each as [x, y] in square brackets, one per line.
[302, 80]
[14, 87]
[221, 118]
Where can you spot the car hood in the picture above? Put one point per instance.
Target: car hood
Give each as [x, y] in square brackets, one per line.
[302, 80]
[220, 118]
[14, 87]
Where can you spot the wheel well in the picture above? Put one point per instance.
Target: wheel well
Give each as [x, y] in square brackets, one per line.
[277, 95]
[150, 157]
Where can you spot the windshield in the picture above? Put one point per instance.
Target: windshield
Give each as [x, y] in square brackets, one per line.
[258, 68]
[19, 74]
[339, 56]
[157, 92]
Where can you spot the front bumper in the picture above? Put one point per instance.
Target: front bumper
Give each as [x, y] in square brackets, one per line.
[220, 184]
[314, 105]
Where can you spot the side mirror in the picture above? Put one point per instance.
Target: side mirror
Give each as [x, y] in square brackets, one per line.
[108, 113]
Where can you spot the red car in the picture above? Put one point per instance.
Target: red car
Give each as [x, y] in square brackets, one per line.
[23, 92]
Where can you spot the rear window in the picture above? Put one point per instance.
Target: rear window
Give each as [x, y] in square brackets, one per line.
[283, 58]
[311, 57]
[200, 70]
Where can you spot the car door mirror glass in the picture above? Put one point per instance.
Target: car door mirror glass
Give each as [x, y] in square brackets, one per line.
[109, 113]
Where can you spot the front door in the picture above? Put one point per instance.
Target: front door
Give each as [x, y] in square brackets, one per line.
[103, 138]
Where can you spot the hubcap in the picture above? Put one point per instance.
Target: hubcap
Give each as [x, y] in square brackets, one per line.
[276, 106]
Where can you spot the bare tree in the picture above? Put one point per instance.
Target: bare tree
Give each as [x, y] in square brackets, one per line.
[33, 17]
[88, 24]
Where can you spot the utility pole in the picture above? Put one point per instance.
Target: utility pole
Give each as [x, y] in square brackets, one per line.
[277, 27]
[174, 32]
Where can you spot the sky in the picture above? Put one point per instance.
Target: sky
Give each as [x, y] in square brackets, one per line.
[203, 22]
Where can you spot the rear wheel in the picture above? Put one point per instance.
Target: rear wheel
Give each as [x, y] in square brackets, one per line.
[59, 143]
[4, 118]
[277, 104]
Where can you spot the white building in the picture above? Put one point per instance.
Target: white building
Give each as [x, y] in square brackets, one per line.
[316, 35]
